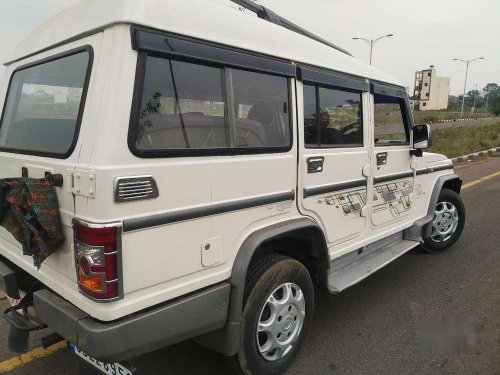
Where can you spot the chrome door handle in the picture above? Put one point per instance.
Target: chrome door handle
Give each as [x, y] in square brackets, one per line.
[382, 158]
[315, 164]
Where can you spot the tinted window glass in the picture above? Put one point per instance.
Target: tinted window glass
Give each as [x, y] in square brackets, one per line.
[310, 123]
[341, 121]
[43, 106]
[389, 120]
[261, 110]
[337, 122]
[182, 107]
[185, 106]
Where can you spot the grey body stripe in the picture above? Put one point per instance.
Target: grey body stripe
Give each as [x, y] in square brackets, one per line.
[395, 176]
[194, 213]
[434, 169]
[316, 190]
[398, 176]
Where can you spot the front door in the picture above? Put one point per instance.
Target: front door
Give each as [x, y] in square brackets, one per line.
[393, 178]
[333, 152]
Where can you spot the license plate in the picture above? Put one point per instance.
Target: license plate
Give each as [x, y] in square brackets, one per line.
[106, 368]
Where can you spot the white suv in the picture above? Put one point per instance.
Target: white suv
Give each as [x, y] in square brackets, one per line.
[210, 166]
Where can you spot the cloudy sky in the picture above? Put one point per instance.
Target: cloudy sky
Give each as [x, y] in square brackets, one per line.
[426, 32]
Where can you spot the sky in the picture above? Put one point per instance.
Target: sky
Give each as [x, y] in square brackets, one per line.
[427, 32]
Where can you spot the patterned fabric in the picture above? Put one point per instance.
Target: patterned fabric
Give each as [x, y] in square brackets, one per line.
[33, 217]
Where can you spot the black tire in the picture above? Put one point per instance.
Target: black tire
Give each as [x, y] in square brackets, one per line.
[432, 246]
[264, 277]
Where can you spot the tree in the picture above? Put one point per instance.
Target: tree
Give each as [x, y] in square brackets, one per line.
[473, 93]
[492, 93]
[491, 87]
[494, 105]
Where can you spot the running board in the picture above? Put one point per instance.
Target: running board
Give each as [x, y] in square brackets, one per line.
[351, 268]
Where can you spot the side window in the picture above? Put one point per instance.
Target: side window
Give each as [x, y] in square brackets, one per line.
[182, 107]
[391, 127]
[332, 117]
[311, 128]
[44, 106]
[261, 110]
[188, 106]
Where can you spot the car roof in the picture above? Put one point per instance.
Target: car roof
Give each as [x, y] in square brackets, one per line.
[216, 21]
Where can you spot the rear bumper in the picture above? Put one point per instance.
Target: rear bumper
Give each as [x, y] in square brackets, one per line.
[163, 325]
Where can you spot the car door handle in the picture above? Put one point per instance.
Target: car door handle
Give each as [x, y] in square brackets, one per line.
[382, 158]
[315, 164]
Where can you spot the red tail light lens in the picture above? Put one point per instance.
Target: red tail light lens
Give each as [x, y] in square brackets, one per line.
[97, 253]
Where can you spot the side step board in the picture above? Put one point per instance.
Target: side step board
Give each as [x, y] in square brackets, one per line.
[351, 268]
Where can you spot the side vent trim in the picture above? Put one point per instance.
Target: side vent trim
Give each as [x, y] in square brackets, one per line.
[134, 188]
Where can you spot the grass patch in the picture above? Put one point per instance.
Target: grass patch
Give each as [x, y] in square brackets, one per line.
[458, 141]
[423, 117]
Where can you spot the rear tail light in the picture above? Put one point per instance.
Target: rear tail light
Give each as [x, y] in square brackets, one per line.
[98, 260]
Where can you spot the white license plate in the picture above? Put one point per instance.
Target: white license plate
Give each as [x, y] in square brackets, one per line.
[107, 368]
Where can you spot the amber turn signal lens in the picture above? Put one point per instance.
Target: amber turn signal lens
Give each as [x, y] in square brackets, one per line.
[93, 282]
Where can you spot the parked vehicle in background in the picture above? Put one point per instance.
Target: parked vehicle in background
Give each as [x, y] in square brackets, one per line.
[213, 166]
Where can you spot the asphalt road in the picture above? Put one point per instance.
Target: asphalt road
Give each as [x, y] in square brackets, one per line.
[372, 327]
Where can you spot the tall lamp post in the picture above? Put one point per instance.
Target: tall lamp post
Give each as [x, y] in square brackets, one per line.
[467, 63]
[371, 42]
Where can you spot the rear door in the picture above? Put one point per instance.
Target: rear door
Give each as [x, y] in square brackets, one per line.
[334, 152]
[391, 159]
[42, 116]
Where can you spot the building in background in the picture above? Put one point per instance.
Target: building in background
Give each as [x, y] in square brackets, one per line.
[431, 91]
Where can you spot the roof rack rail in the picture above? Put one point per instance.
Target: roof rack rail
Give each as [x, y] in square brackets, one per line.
[269, 15]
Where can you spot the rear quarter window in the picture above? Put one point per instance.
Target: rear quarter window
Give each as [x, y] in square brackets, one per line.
[44, 105]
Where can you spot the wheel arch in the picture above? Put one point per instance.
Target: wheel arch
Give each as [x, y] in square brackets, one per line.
[420, 228]
[259, 243]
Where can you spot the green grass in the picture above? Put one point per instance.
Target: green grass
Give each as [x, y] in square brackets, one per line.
[423, 117]
[458, 141]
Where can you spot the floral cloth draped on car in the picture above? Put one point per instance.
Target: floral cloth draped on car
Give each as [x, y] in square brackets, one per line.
[32, 216]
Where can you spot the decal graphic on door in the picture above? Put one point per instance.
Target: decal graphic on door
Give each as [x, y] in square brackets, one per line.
[348, 203]
[393, 197]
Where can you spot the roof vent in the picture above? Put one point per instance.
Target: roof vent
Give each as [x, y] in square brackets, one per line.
[135, 188]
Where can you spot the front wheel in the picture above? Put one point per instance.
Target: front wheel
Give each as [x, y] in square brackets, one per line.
[279, 306]
[447, 224]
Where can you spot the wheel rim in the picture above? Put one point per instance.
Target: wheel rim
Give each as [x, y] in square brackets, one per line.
[280, 321]
[445, 222]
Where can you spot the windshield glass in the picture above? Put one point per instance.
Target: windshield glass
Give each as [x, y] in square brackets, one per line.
[43, 106]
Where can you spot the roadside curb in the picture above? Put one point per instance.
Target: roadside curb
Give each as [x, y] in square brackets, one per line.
[464, 119]
[475, 155]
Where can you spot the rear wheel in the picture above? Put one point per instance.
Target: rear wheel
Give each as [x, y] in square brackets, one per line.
[447, 224]
[279, 305]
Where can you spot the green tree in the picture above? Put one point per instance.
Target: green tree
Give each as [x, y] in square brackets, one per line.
[491, 88]
[494, 105]
[473, 93]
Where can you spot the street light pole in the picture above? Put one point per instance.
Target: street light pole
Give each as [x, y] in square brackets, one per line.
[467, 63]
[371, 42]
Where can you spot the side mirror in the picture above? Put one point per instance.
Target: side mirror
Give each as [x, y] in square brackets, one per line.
[421, 137]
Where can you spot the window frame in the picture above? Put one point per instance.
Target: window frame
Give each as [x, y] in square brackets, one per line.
[399, 93]
[318, 145]
[85, 48]
[228, 111]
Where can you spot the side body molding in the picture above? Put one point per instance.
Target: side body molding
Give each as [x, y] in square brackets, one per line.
[420, 229]
[226, 340]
